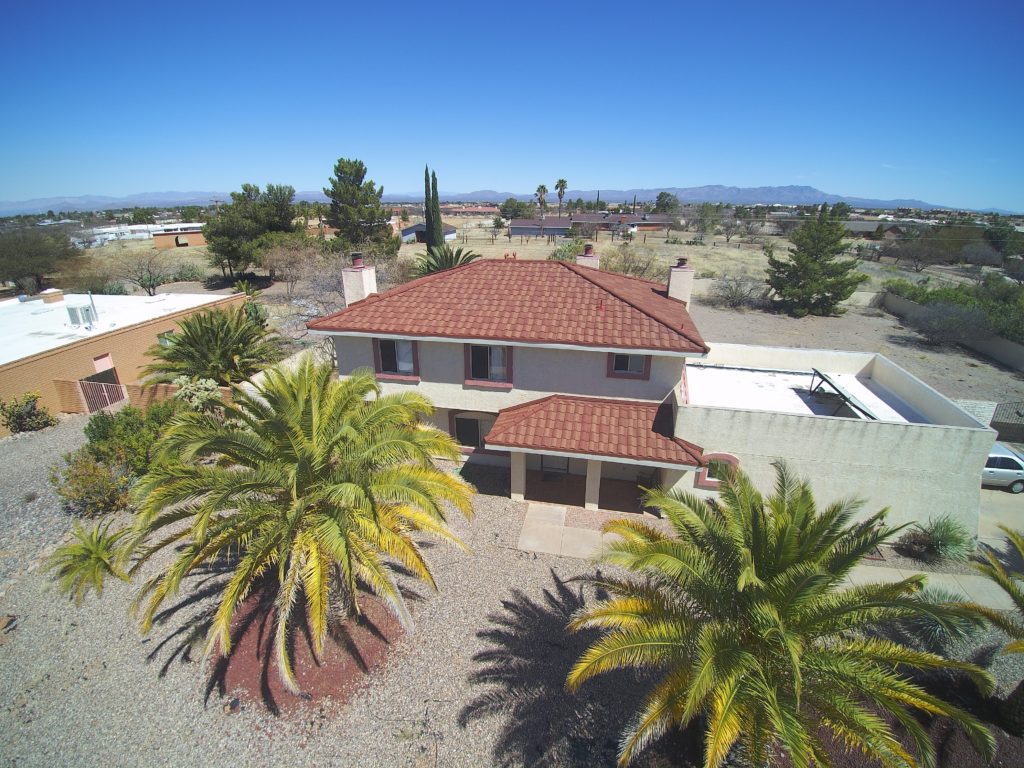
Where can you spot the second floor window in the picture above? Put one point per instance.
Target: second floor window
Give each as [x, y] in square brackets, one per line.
[488, 363]
[628, 364]
[396, 356]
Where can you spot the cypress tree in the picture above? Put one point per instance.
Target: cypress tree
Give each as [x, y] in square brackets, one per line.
[428, 208]
[435, 214]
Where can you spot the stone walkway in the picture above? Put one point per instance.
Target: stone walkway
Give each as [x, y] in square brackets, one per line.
[544, 530]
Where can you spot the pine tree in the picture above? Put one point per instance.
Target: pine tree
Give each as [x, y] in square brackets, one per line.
[356, 210]
[428, 208]
[811, 280]
[435, 213]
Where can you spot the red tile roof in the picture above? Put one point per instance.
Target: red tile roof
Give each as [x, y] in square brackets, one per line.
[541, 302]
[594, 426]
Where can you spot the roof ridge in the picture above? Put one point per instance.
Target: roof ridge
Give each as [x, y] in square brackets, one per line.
[577, 269]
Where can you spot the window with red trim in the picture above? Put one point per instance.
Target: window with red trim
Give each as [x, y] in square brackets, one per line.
[622, 365]
[396, 359]
[489, 365]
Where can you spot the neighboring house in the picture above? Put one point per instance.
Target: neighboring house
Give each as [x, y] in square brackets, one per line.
[889, 231]
[166, 233]
[179, 238]
[78, 351]
[632, 222]
[417, 233]
[469, 210]
[546, 227]
[589, 385]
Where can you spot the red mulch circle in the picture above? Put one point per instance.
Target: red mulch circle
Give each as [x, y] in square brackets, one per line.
[250, 671]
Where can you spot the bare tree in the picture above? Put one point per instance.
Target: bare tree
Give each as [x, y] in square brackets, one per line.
[731, 227]
[146, 269]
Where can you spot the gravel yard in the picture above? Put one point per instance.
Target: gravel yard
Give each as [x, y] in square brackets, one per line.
[477, 683]
[30, 517]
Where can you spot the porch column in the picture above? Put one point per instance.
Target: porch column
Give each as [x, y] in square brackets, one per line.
[518, 476]
[593, 493]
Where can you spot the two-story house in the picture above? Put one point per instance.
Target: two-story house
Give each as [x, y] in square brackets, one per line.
[559, 369]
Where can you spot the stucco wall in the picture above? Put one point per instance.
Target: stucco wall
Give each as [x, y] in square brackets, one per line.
[919, 471]
[999, 349]
[536, 373]
[126, 346]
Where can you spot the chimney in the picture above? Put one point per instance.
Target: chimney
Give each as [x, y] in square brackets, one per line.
[359, 280]
[588, 258]
[52, 295]
[680, 281]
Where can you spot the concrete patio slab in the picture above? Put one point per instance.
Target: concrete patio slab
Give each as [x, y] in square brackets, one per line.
[580, 542]
[984, 592]
[873, 574]
[949, 582]
[545, 513]
[541, 537]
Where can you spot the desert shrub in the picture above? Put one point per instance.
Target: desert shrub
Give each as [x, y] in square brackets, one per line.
[706, 274]
[998, 299]
[125, 439]
[981, 255]
[674, 240]
[567, 250]
[931, 634]
[945, 323]
[201, 395]
[24, 414]
[89, 487]
[188, 273]
[640, 263]
[114, 289]
[941, 538]
[736, 291]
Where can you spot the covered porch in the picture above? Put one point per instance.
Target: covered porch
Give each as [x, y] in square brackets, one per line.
[593, 453]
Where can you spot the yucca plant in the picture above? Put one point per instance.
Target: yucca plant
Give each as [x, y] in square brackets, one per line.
[84, 563]
[742, 615]
[441, 258]
[313, 483]
[1011, 581]
[226, 346]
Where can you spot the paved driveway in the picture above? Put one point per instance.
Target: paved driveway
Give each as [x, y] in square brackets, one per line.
[999, 507]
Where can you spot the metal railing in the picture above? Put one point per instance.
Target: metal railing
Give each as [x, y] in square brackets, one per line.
[99, 395]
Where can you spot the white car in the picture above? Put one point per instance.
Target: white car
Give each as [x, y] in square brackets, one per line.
[1004, 468]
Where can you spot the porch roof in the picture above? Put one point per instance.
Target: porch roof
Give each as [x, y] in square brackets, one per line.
[632, 431]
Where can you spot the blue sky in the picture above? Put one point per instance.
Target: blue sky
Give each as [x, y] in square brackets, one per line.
[901, 99]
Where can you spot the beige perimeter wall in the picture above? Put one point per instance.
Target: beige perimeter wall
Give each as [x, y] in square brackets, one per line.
[919, 471]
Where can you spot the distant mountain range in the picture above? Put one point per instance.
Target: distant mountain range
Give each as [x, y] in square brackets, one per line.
[715, 193]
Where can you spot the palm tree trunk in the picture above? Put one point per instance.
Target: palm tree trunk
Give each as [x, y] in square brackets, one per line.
[1012, 710]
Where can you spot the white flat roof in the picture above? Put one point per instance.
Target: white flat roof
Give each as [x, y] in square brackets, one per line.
[30, 327]
[789, 392]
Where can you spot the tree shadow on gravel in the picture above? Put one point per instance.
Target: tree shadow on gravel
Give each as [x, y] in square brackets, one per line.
[523, 672]
[352, 649]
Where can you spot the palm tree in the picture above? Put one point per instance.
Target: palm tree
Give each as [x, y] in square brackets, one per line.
[1011, 581]
[439, 259]
[560, 186]
[312, 483]
[542, 194]
[226, 346]
[742, 614]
